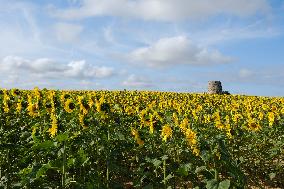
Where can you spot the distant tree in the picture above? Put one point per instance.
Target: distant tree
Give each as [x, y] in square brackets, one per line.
[226, 92]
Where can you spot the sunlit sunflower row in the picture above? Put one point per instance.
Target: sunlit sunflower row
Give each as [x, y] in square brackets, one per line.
[187, 111]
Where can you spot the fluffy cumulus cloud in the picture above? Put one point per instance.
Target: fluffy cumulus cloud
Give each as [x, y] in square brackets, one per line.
[44, 68]
[80, 69]
[135, 81]
[174, 51]
[163, 10]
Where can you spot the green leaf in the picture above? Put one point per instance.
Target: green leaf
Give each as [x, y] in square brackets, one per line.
[42, 170]
[71, 162]
[205, 155]
[225, 184]
[272, 175]
[26, 171]
[149, 186]
[184, 169]
[18, 184]
[156, 162]
[200, 169]
[62, 137]
[212, 184]
[44, 145]
[165, 157]
[60, 152]
[120, 136]
[168, 177]
[83, 157]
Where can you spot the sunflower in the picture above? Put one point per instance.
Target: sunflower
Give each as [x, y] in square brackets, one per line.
[166, 132]
[53, 129]
[271, 118]
[69, 106]
[253, 125]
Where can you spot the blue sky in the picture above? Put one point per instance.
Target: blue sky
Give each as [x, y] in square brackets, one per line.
[165, 45]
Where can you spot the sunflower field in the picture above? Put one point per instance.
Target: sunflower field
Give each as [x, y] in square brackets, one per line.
[139, 139]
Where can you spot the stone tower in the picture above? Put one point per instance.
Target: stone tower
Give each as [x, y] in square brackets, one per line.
[215, 87]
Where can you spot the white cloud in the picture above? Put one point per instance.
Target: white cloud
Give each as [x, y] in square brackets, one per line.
[44, 68]
[137, 82]
[261, 28]
[174, 51]
[82, 69]
[164, 10]
[23, 34]
[67, 32]
[17, 65]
